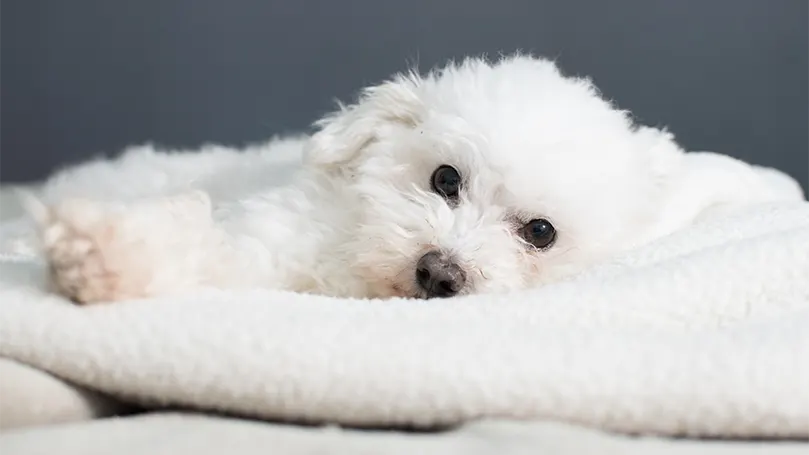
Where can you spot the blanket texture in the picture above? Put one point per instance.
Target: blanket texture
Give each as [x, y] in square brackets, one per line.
[703, 333]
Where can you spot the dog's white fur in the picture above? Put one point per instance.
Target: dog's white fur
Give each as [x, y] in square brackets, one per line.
[528, 141]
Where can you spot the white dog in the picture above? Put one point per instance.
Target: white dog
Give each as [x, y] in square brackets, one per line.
[479, 177]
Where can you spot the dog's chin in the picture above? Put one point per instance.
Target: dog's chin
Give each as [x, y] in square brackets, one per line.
[394, 290]
[414, 292]
[405, 291]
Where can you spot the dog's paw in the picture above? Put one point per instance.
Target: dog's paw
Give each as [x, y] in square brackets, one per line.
[103, 252]
[89, 260]
[75, 263]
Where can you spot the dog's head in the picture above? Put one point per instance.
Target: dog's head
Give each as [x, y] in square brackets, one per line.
[484, 177]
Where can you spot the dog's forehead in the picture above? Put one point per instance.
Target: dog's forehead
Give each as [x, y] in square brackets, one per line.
[535, 175]
[523, 132]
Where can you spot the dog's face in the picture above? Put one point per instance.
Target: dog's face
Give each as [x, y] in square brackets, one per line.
[489, 177]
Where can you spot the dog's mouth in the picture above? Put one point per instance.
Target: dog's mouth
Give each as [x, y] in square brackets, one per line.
[415, 293]
[398, 290]
[411, 292]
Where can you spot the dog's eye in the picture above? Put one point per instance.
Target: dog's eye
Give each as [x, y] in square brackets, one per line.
[446, 181]
[539, 233]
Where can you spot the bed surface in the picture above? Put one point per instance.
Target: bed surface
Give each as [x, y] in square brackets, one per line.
[177, 433]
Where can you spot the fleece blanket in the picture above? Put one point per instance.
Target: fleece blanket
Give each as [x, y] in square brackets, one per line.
[703, 333]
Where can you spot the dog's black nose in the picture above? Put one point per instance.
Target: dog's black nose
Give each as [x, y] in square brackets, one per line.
[439, 276]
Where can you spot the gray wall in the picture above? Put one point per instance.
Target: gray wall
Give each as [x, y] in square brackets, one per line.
[82, 77]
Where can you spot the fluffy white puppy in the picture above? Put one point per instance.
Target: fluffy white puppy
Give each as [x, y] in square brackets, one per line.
[479, 177]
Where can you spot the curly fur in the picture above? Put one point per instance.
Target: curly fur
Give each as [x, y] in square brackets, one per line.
[353, 220]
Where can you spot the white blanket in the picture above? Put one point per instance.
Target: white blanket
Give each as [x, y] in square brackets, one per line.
[702, 333]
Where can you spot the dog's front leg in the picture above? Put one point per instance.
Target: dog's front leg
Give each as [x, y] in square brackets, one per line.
[101, 253]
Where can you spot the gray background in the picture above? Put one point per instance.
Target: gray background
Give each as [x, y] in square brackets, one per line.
[84, 77]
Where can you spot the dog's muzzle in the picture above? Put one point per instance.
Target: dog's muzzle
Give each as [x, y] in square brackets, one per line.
[439, 276]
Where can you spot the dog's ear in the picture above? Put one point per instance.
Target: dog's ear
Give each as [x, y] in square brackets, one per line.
[696, 184]
[343, 134]
[661, 152]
